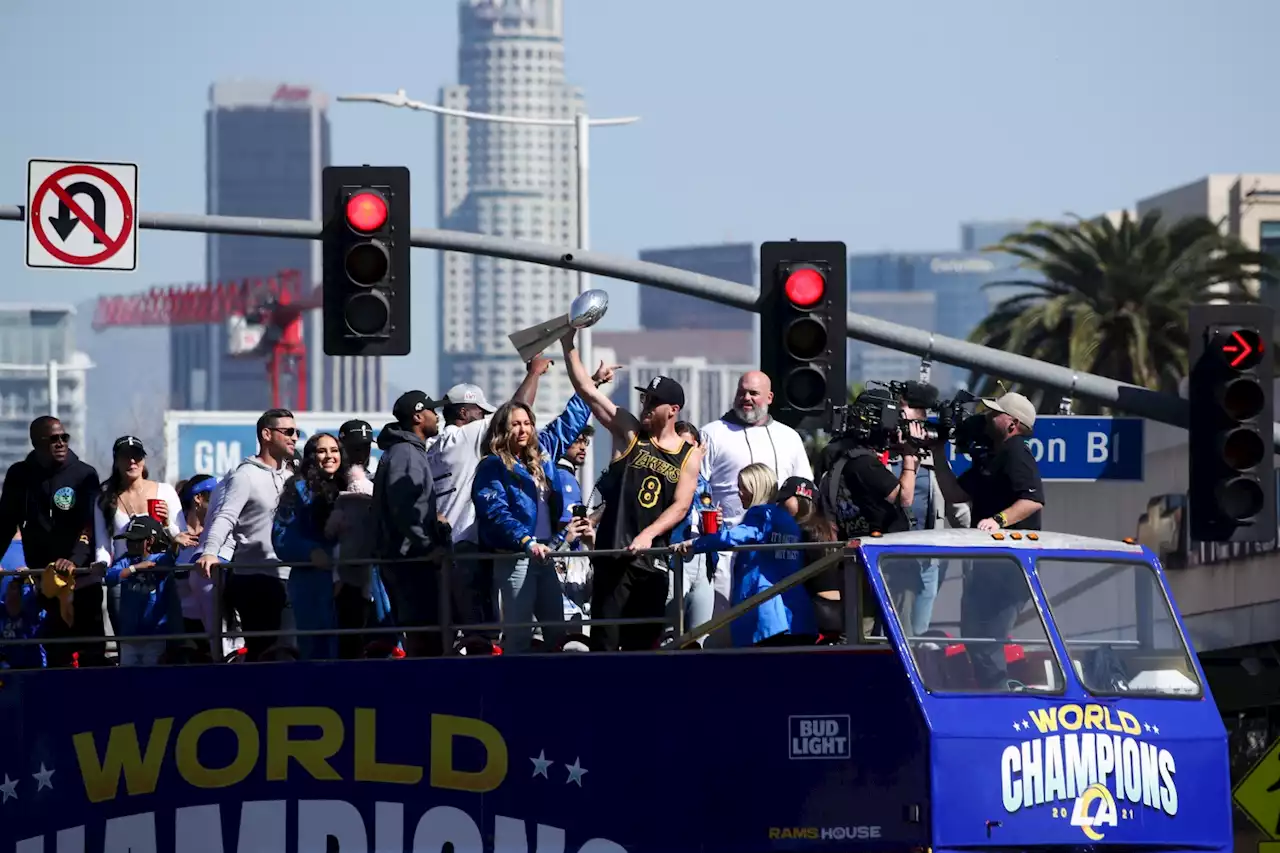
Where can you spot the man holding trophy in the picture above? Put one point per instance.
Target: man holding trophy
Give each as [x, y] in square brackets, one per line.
[647, 489]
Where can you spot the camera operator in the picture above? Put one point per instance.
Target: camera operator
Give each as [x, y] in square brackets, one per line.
[858, 491]
[1004, 490]
[915, 591]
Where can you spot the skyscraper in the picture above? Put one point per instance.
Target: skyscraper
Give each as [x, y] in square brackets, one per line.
[265, 146]
[512, 180]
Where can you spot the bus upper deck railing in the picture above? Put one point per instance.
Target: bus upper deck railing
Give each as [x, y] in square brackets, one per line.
[447, 627]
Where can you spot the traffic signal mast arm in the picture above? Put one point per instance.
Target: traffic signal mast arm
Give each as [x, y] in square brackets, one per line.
[1165, 408]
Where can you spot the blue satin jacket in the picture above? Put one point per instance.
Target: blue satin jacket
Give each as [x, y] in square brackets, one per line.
[506, 501]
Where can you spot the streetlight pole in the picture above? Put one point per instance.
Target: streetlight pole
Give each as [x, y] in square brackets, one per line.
[582, 124]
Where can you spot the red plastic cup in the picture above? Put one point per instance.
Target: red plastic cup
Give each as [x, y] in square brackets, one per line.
[154, 510]
[711, 520]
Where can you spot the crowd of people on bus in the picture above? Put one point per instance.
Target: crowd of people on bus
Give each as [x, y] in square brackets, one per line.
[473, 518]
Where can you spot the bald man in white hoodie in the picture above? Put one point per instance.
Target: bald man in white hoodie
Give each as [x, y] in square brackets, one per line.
[744, 435]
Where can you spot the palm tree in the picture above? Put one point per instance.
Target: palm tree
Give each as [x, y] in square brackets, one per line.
[1113, 299]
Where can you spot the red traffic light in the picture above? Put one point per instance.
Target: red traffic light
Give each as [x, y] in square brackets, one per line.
[366, 212]
[806, 287]
[1241, 349]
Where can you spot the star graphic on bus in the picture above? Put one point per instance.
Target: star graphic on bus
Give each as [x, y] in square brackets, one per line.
[540, 764]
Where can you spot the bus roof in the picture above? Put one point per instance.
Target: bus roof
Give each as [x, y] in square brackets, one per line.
[971, 539]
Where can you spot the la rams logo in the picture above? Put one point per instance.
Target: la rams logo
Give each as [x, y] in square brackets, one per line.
[655, 382]
[1090, 818]
[65, 498]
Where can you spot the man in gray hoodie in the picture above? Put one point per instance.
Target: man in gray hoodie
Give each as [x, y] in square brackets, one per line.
[409, 532]
[255, 587]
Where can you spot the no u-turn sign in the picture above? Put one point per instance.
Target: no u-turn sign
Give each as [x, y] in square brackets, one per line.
[82, 215]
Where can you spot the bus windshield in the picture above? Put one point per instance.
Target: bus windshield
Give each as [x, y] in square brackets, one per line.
[971, 624]
[1118, 627]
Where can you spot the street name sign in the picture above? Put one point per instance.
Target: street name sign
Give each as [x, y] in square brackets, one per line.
[1081, 449]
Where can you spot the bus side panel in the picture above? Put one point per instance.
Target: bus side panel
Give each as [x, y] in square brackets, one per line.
[651, 753]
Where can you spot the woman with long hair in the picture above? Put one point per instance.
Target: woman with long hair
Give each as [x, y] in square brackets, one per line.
[769, 520]
[825, 589]
[298, 536]
[517, 507]
[129, 491]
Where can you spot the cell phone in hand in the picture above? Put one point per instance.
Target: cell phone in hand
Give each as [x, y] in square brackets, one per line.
[579, 511]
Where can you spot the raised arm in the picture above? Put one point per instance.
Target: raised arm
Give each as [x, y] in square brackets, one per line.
[528, 390]
[620, 423]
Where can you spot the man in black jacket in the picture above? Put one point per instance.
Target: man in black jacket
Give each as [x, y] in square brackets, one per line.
[408, 522]
[49, 496]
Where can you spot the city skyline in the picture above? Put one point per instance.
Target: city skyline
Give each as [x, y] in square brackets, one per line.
[685, 175]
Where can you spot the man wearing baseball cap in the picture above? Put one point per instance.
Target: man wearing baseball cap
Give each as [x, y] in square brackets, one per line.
[1005, 491]
[407, 524]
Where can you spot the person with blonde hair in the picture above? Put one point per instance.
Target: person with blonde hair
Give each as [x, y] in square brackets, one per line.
[769, 520]
[518, 506]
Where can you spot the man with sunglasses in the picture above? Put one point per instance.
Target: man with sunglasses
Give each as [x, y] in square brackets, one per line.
[245, 511]
[49, 496]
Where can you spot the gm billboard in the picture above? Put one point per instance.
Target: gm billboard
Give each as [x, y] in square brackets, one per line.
[215, 442]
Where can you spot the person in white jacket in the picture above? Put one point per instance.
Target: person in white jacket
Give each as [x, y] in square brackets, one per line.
[744, 435]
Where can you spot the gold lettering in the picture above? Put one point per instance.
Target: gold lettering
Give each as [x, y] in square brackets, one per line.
[186, 752]
[1075, 714]
[312, 755]
[367, 766]
[123, 757]
[774, 833]
[1129, 723]
[1045, 719]
[1111, 725]
[444, 728]
[1093, 716]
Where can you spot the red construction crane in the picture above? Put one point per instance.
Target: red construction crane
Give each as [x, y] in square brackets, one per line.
[276, 304]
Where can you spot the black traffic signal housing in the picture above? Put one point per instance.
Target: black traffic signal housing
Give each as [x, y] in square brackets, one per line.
[804, 329]
[366, 260]
[1232, 496]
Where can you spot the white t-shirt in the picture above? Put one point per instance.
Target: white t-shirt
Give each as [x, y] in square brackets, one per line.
[107, 549]
[728, 447]
[453, 458]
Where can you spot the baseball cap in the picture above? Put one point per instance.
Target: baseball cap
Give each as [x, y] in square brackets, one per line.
[355, 432]
[143, 527]
[1015, 406]
[466, 394]
[796, 487]
[410, 403]
[130, 443]
[663, 389]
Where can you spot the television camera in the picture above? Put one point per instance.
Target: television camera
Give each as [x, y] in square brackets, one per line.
[876, 419]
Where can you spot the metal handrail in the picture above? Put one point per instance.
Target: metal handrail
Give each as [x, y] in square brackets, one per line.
[446, 626]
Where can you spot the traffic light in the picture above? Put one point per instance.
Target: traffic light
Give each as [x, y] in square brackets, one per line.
[366, 260]
[803, 329]
[1233, 492]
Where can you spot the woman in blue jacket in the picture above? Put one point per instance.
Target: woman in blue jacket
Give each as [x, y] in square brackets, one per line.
[518, 506]
[770, 520]
[298, 536]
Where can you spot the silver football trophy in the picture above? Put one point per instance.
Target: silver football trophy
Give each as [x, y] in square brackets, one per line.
[585, 311]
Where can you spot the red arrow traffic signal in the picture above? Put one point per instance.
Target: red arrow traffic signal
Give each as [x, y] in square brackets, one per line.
[1241, 348]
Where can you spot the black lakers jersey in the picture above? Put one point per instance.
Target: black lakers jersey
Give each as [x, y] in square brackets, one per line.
[637, 487]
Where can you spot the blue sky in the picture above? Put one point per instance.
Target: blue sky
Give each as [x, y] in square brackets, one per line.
[881, 124]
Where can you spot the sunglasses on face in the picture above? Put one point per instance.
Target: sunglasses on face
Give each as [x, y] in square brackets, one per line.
[58, 438]
[287, 432]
